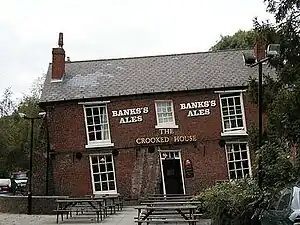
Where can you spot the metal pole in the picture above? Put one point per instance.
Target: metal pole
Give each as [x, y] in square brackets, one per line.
[47, 157]
[30, 171]
[260, 96]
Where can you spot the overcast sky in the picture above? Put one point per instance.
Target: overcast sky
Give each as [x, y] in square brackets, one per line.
[96, 29]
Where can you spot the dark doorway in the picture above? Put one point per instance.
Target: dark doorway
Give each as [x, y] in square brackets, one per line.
[172, 176]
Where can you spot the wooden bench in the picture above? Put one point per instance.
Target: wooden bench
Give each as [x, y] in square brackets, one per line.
[69, 211]
[167, 220]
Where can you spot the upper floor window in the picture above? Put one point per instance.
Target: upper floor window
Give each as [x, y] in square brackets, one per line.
[232, 110]
[165, 114]
[97, 126]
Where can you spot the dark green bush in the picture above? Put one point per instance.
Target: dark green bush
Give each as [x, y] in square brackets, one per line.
[230, 202]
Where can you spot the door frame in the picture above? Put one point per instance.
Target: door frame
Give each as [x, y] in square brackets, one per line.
[162, 172]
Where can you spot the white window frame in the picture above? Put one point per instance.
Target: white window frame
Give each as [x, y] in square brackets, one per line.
[241, 160]
[165, 125]
[92, 174]
[97, 143]
[229, 132]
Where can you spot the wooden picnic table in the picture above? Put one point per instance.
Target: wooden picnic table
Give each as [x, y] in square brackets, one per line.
[173, 209]
[67, 206]
[171, 203]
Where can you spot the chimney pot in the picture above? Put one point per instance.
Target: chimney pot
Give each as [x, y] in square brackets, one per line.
[58, 60]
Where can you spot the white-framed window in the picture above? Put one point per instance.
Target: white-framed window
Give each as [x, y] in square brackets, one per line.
[97, 126]
[165, 114]
[238, 160]
[232, 112]
[103, 174]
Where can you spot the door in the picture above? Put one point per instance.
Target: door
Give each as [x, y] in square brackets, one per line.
[172, 173]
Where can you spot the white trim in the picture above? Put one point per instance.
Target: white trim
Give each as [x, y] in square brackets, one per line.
[248, 156]
[56, 80]
[92, 175]
[97, 143]
[94, 103]
[165, 125]
[230, 91]
[162, 171]
[234, 132]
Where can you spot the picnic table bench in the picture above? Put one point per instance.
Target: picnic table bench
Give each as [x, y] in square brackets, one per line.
[165, 213]
[68, 205]
[100, 204]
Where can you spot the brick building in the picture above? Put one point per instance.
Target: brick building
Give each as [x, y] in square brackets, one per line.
[157, 124]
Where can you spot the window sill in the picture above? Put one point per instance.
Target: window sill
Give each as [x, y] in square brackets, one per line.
[166, 126]
[234, 133]
[101, 193]
[99, 145]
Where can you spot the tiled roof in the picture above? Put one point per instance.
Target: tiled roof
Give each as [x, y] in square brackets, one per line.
[130, 76]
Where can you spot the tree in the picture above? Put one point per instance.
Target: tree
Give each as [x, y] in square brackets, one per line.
[240, 40]
[15, 131]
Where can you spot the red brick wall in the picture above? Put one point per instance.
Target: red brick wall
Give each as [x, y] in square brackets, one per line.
[138, 171]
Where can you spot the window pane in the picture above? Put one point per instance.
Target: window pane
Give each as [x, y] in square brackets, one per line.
[94, 160]
[111, 185]
[230, 156]
[232, 175]
[97, 187]
[237, 100]
[89, 120]
[90, 129]
[238, 165]
[240, 122]
[95, 111]
[103, 177]
[224, 102]
[104, 186]
[230, 101]
[97, 120]
[88, 111]
[109, 167]
[225, 111]
[244, 155]
[108, 158]
[237, 156]
[239, 174]
[96, 178]
[245, 164]
[92, 136]
[110, 176]
[95, 169]
[102, 168]
[231, 166]
[98, 136]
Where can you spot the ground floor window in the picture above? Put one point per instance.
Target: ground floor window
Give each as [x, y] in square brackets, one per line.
[103, 173]
[238, 160]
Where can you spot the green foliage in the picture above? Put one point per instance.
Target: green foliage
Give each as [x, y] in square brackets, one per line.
[15, 131]
[231, 202]
[240, 40]
[277, 166]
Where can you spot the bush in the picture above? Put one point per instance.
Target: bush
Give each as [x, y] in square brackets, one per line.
[230, 202]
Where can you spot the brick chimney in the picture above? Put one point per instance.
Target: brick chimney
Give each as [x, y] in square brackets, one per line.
[260, 50]
[58, 60]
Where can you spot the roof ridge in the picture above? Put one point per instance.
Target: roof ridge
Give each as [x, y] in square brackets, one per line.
[163, 55]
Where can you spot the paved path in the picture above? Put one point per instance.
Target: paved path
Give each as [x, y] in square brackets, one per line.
[124, 217]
